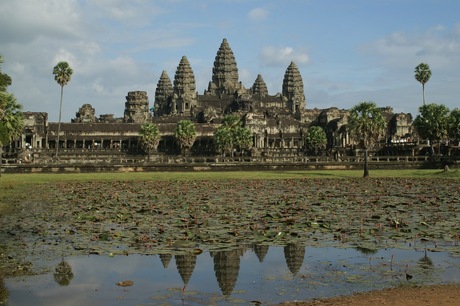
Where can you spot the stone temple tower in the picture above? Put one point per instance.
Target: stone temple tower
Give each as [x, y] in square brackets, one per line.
[293, 89]
[163, 95]
[184, 91]
[224, 72]
[136, 107]
[259, 88]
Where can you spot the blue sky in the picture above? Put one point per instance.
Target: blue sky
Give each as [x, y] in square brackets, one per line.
[347, 51]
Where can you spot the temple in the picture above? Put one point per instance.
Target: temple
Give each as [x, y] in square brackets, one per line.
[278, 123]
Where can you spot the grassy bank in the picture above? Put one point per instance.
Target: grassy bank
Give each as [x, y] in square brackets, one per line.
[43, 178]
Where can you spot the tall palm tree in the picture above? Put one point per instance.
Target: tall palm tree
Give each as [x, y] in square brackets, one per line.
[11, 120]
[150, 137]
[423, 74]
[366, 124]
[62, 74]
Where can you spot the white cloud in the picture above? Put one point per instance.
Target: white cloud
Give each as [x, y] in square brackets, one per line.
[437, 46]
[31, 19]
[66, 56]
[133, 12]
[258, 14]
[282, 56]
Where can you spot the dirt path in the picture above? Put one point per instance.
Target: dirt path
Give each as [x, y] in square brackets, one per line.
[420, 296]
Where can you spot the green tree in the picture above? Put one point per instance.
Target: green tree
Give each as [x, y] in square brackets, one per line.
[243, 138]
[5, 80]
[423, 74]
[454, 124]
[62, 74]
[316, 139]
[11, 116]
[432, 123]
[223, 139]
[11, 120]
[366, 124]
[150, 137]
[232, 135]
[185, 134]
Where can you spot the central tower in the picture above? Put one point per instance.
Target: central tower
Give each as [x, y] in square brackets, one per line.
[224, 72]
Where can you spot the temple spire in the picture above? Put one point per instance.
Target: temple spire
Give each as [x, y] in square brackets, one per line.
[224, 72]
[184, 91]
[259, 89]
[163, 95]
[293, 89]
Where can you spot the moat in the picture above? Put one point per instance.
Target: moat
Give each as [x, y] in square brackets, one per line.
[403, 230]
[246, 276]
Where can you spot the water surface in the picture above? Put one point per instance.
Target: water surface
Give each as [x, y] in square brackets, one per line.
[257, 274]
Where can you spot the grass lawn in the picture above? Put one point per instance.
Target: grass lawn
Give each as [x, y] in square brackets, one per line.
[41, 178]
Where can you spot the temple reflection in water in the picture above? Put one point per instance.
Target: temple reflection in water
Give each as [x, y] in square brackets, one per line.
[227, 263]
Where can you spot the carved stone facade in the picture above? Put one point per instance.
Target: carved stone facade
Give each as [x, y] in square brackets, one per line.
[86, 114]
[163, 95]
[136, 107]
[224, 72]
[293, 89]
[184, 91]
[279, 123]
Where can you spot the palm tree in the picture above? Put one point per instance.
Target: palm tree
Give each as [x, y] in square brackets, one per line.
[62, 74]
[423, 74]
[454, 124]
[316, 139]
[11, 120]
[433, 124]
[11, 117]
[232, 135]
[5, 80]
[185, 134]
[223, 139]
[243, 138]
[150, 137]
[366, 124]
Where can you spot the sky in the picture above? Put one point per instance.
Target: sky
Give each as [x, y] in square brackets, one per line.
[347, 51]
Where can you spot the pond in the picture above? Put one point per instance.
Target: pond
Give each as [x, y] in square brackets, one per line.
[227, 241]
[257, 274]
